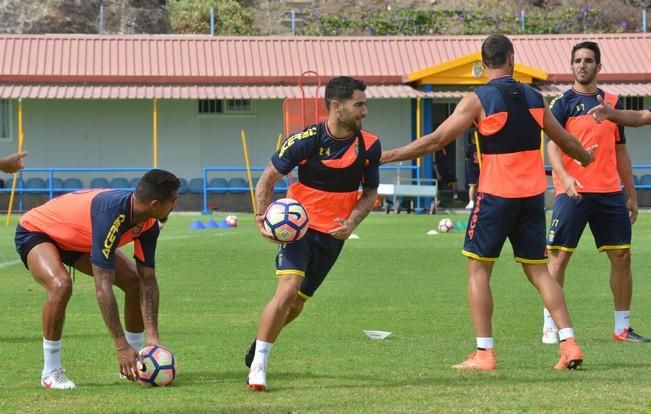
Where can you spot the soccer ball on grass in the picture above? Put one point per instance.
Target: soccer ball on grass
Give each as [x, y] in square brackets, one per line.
[231, 220]
[445, 225]
[159, 368]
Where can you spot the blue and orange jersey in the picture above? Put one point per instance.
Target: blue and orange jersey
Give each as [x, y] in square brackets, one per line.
[95, 222]
[510, 139]
[330, 171]
[571, 111]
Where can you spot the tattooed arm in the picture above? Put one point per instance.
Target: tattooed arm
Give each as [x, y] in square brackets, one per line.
[126, 355]
[149, 299]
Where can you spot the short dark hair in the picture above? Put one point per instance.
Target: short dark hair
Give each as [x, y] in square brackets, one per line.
[588, 45]
[342, 88]
[495, 50]
[157, 185]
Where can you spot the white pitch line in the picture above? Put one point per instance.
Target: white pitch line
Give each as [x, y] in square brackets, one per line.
[9, 263]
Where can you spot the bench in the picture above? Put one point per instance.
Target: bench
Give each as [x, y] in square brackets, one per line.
[407, 190]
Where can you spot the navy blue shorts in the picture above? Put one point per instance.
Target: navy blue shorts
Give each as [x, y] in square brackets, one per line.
[605, 212]
[473, 174]
[26, 240]
[494, 219]
[312, 257]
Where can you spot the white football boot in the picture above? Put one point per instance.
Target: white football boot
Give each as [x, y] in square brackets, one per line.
[57, 380]
[257, 378]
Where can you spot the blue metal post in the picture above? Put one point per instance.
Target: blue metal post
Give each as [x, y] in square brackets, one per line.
[293, 14]
[522, 22]
[212, 21]
[205, 192]
[644, 20]
[101, 17]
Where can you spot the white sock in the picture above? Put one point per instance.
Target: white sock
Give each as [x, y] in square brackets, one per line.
[565, 333]
[548, 321]
[262, 351]
[135, 339]
[485, 343]
[51, 356]
[622, 321]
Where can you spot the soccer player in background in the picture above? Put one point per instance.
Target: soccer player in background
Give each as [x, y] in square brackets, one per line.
[472, 159]
[83, 230]
[592, 195]
[510, 200]
[12, 163]
[333, 158]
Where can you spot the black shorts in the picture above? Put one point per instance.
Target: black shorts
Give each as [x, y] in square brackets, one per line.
[494, 219]
[473, 174]
[26, 240]
[606, 214]
[312, 257]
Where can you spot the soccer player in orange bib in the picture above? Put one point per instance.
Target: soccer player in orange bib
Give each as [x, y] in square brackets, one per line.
[333, 158]
[83, 230]
[509, 204]
[592, 195]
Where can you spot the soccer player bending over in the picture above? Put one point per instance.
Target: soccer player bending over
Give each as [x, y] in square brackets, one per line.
[333, 158]
[510, 201]
[83, 230]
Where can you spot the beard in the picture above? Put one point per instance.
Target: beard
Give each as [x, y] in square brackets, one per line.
[164, 219]
[353, 124]
[587, 79]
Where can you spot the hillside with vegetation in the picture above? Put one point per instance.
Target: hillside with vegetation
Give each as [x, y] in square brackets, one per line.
[404, 17]
[321, 17]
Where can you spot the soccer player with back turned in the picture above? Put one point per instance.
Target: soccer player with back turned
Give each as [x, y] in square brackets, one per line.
[510, 200]
[333, 158]
[592, 195]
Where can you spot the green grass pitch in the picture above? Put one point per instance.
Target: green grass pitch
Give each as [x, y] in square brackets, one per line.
[215, 282]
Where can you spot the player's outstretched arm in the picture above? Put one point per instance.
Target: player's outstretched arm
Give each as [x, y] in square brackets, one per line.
[263, 196]
[570, 184]
[566, 141]
[468, 109]
[12, 163]
[149, 300]
[126, 355]
[626, 117]
[360, 211]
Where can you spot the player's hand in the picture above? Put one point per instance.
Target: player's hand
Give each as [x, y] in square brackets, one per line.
[14, 162]
[259, 221]
[600, 112]
[632, 210]
[591, 151]
[343, 231]
[571, 184]
[127, 359]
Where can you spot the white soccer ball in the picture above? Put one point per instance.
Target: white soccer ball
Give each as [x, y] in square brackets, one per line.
[231, 220]
[286, 220]
[445, 225]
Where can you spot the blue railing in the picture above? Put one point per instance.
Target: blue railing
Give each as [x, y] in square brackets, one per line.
[634, 167]
[220, 189]
[53, 173]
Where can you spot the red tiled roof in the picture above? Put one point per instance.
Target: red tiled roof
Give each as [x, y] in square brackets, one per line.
[57, 91]
[194, 60]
